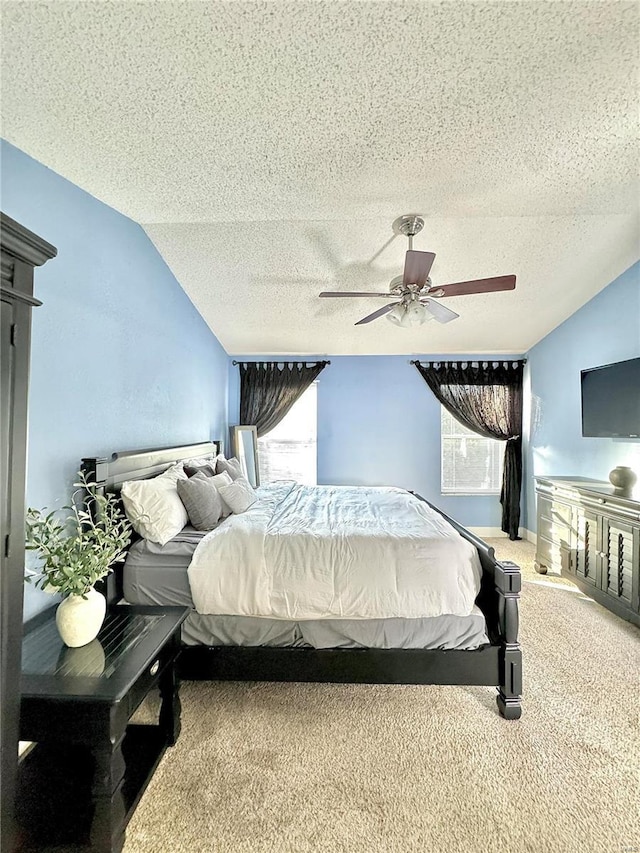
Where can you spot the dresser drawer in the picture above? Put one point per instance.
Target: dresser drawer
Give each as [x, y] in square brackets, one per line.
[554, 528]
[150, 678]
[552, 555]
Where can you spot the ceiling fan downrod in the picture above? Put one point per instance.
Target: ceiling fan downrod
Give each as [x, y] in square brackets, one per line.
[410, 224]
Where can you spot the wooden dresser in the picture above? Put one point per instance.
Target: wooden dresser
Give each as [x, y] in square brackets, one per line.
[590, 533]
[21, 251]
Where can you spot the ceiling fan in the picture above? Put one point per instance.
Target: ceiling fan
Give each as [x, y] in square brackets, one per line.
[415, 297]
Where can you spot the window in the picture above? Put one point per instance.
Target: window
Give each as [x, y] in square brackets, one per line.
[289, 451]
[471, 464]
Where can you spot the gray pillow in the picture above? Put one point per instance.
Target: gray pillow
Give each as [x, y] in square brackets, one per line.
[201, 501]
[239, 495]
[231, 467]
[208, 469]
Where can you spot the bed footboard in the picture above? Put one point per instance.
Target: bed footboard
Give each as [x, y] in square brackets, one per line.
[498, 599]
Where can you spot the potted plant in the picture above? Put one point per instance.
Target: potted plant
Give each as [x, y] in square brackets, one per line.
[78, 549]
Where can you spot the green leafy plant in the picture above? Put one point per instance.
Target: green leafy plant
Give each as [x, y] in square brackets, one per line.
[79, 547]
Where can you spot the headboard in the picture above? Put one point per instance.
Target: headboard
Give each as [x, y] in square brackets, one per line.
[109, 473]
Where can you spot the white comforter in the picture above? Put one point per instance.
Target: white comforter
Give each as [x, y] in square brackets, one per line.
[335, 552]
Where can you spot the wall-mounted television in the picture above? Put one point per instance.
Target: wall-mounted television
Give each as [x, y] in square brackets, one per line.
[611, 400]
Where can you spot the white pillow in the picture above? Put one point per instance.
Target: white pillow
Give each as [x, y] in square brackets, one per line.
[219, 481]
[154, 507]
[200, 461]
[239, 495]
[175, 472]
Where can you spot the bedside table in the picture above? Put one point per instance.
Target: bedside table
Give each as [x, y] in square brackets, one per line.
[82, 781]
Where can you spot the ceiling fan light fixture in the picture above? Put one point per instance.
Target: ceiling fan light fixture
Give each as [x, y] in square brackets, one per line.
[407, 314]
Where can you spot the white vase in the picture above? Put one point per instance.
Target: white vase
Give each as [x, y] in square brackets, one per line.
[79, 619]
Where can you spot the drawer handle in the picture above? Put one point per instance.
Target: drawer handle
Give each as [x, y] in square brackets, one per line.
[154, 668]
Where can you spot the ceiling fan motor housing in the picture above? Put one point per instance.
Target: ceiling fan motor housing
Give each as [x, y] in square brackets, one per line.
[397, 287]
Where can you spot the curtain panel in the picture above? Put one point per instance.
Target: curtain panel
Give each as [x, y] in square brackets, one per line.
[486, 397]
[268, 390]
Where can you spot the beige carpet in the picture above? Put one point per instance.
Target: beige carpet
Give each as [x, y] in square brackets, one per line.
[341, 768]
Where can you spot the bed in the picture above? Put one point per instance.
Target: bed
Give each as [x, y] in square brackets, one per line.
[479, 648]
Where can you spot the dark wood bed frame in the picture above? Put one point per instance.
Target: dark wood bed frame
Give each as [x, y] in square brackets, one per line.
[499, 664]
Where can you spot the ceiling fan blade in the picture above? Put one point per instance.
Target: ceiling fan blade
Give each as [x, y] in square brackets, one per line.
[480, 285]
[352, 293]
[379, 313]
[440, 312]
[416, 267]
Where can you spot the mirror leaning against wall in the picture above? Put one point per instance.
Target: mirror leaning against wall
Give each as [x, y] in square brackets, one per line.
[244, 445]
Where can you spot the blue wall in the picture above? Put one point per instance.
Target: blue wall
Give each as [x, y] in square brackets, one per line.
[120, 357]
[379, 424]
[605, 330]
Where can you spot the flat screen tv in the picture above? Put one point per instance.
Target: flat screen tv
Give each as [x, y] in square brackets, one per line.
[611, 400]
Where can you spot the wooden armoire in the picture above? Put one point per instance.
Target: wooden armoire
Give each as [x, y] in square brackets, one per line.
[21, 252]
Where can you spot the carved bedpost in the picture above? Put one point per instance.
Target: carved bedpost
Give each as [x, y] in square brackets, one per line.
[508, 584]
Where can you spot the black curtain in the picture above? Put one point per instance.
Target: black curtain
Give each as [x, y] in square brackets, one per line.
[268, 389]
[486, 397]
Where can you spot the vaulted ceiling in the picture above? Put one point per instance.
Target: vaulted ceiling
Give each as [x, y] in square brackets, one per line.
[267, 147]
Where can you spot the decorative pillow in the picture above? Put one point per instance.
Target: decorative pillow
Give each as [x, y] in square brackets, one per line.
[208, 469]
[239, 495]
[175, 472]
[201, 501]
[220, 480]
[231, 466]
[199, 461]
[154, 507]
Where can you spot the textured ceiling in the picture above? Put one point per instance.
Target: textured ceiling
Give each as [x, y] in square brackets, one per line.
[266, 148]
